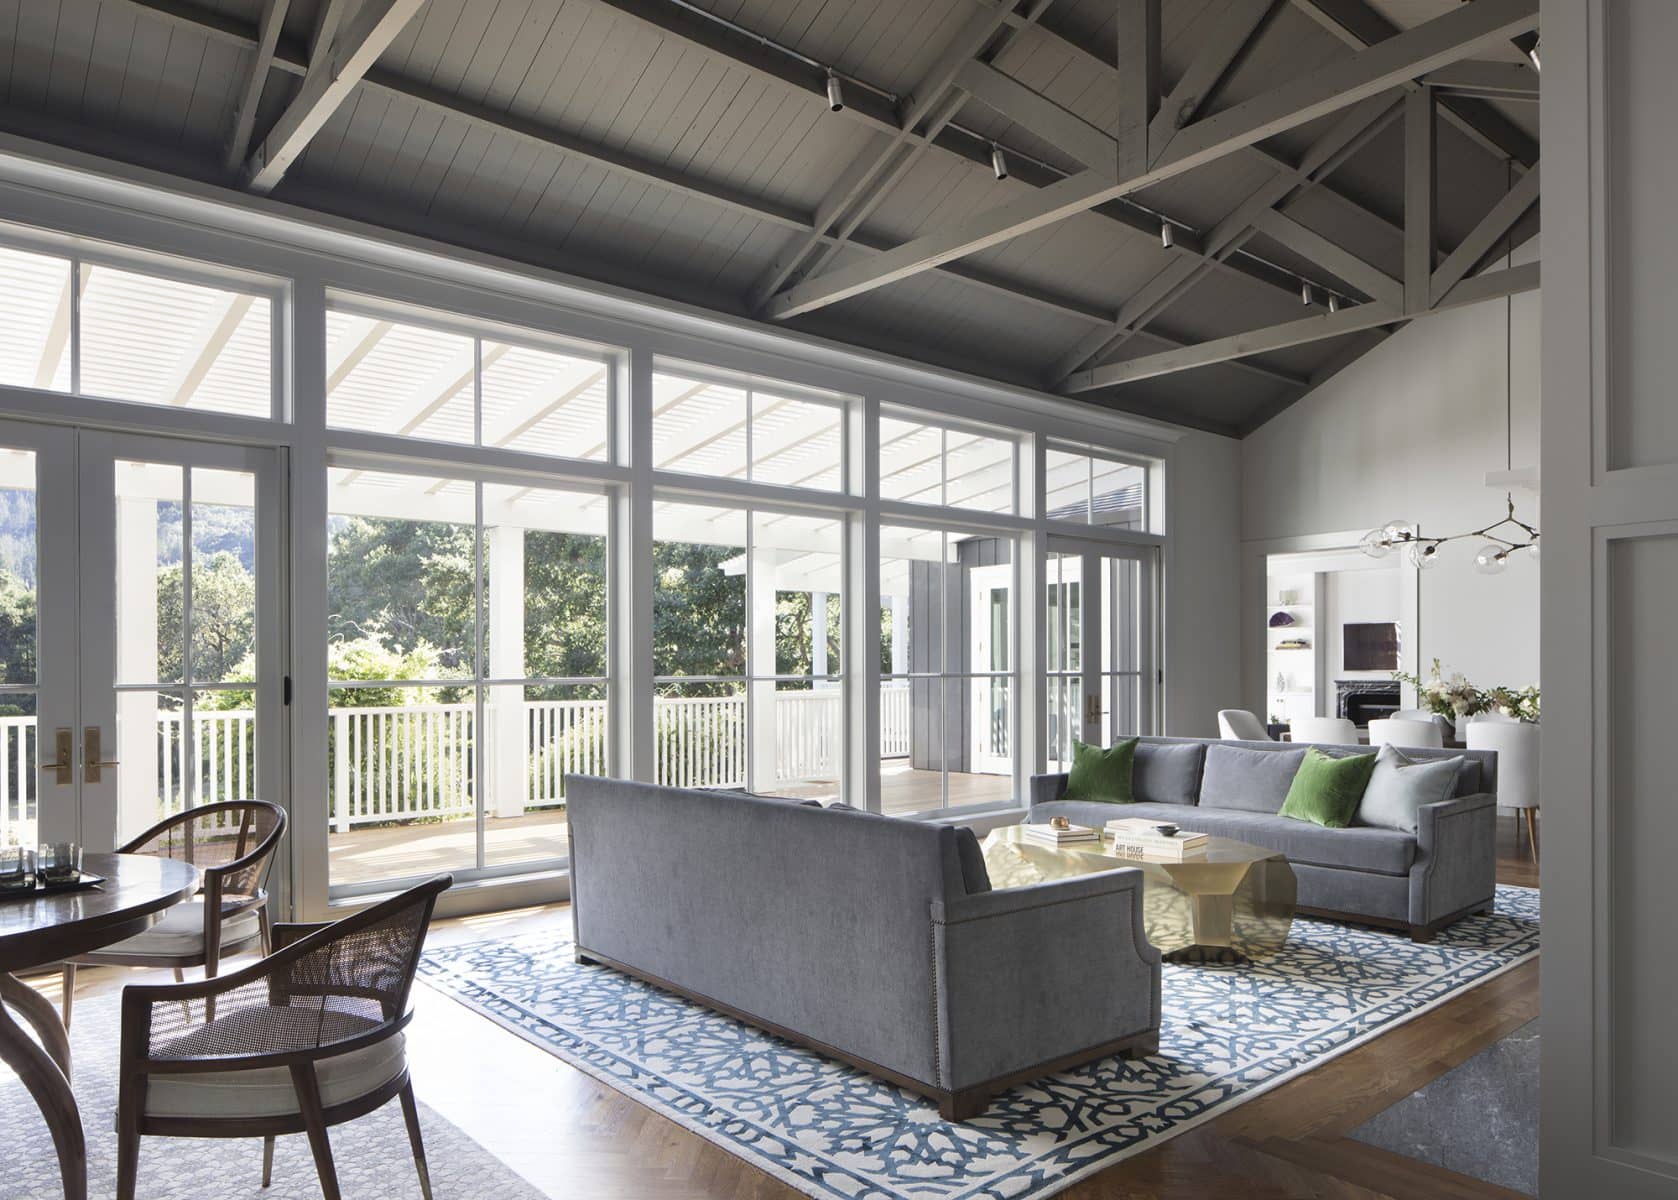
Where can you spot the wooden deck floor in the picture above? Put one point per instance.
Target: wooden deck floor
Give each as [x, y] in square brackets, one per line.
[404, 851]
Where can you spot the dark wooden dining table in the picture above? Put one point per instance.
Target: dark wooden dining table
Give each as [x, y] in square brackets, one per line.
[38, 930]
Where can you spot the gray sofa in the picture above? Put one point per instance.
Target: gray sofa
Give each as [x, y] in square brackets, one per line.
[872, 939]
[1418, 882]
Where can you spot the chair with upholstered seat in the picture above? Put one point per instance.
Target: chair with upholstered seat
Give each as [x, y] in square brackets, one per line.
[1516, 743]
[1239, 725]
[1331, 731]
[307, 1038]
[1406, 733]
[233, 845]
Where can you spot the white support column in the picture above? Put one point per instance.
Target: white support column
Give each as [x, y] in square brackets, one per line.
[760, 666]
[899, 634]
[860, 648]
[818, 635]
[137, 725]
[509, 737]
[633, 710]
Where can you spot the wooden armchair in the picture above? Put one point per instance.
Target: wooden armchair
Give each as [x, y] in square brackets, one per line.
[307, 1038]
[233, 845]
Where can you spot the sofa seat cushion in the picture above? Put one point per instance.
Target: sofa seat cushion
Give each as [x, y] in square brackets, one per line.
[1358, 848]
[268, 1091]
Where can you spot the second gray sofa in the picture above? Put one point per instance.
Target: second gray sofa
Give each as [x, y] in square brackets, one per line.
[1419, 882]
[874, 940]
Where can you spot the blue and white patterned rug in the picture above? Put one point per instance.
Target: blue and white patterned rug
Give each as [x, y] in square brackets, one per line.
[1228, 1034]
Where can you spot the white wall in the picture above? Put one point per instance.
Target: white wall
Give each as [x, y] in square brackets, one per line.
[1351, 598]
[1202, 601]
[1409, 432]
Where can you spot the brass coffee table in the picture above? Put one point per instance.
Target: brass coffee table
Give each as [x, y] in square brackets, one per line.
[1229, 903]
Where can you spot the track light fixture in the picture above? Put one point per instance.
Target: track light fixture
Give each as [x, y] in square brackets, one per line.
[998, 161]
[1305, 293]
[1167, 234]
[835, 94]
[1533, 54]
[1333, 303]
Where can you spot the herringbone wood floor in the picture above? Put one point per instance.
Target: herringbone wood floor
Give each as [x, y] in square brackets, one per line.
[581, 1140]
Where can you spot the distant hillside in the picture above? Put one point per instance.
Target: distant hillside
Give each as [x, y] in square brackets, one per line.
[214, 528]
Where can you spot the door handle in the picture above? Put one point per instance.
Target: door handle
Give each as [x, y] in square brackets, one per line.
[92, 765]
[64, 745]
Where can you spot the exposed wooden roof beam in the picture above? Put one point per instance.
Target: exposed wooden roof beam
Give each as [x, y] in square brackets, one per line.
[1494, 225]
[1240, 27]
[1359, 26]
[209, 340]
[1332, 257]
[1139, 87]
[244, 121]
[354, 49]
[1492, 285]
[1445, 39]
[1487, 80]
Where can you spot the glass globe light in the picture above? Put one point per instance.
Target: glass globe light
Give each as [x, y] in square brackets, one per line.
[1399, 531]
[1424, 555]
[1532, 548]
[1376, 543]
[1491, 559]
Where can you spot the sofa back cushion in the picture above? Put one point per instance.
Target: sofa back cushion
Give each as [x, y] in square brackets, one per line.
[1168, 773]
[1401, 785]
[1248, 780]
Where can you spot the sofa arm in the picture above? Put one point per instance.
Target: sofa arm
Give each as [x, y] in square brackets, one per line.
[1456, 857]
[1026, 976]
[1046, 788]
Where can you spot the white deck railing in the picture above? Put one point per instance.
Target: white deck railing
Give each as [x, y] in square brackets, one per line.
[415, 761]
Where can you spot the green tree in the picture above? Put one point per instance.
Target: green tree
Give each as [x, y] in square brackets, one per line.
[408, 582]
[223, 617]
[699, 611]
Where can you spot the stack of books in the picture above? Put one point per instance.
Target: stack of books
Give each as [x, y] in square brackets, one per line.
[1137, 838]
[1048, 835]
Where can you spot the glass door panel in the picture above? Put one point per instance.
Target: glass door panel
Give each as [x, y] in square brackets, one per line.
[1100, 664]
[180, 668]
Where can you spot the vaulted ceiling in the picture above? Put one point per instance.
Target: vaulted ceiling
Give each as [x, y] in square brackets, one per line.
[687, 148]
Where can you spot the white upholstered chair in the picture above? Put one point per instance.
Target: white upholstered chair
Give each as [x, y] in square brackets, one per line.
[1405, 733]
[1332, 731]
[1516, 744]
[1239, 725]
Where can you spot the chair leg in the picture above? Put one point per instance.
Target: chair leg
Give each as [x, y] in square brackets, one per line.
[68, 1000]
[1532, 831]
[265, 926]
[180, 975]
[410, 1114]
[128, 1151]
[267, 1160]
[314, 1121]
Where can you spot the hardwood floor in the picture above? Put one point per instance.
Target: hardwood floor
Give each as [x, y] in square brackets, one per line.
[577, 1138]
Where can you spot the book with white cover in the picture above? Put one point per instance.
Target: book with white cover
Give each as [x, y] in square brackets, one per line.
[1049, 835]
[1138, 830]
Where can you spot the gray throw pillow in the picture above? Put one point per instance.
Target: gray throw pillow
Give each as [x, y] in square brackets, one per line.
[1167, 773]
[1400, 785]
[1248, 780]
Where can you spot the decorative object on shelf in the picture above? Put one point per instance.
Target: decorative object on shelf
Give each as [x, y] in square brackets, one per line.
[1293, 643]
[1281, 681]
[1501, 538]
[1060, 823]
[1281, 620]
[1456, 697]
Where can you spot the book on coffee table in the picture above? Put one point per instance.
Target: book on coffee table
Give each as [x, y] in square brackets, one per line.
[1137, 838]
[1048, 835]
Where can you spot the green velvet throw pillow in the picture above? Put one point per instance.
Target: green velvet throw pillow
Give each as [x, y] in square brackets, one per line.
[1101, 775]
[1326, 790]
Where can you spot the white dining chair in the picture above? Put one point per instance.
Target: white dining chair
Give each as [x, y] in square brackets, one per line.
[1516, 744]
[1329, 731]
[1493, 717]
[1239, 725]
[1398, 732]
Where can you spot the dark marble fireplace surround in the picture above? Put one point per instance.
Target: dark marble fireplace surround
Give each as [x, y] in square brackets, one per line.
[1366, 700]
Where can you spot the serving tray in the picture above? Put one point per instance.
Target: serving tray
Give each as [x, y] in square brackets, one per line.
[81, 880]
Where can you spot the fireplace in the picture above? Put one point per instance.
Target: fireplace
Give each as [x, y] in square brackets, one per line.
[1366, 700]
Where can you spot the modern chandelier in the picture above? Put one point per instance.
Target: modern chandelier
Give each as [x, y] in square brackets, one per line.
[1500, 539]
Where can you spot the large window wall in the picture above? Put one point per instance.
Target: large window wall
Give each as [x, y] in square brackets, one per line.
[529, 540]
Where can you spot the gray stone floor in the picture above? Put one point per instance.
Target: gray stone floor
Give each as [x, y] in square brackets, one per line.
[1479, 1119]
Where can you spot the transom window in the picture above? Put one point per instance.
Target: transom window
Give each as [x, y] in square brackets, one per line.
[923, 463]
[93, 328]
[708, 426]
[413, 379]
[1094, 489]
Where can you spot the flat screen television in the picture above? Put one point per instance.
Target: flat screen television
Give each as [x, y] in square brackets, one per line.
[1371, 646]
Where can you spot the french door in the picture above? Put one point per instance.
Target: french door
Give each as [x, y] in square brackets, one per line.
[1101, 662]
[140, 579]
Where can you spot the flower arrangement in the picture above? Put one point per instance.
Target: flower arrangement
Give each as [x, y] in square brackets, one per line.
[1455, 696]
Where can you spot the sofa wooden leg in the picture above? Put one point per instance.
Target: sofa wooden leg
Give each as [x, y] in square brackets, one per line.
[963, 1105]
[581, 959]
[1142, 1049]
[1423, 934]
